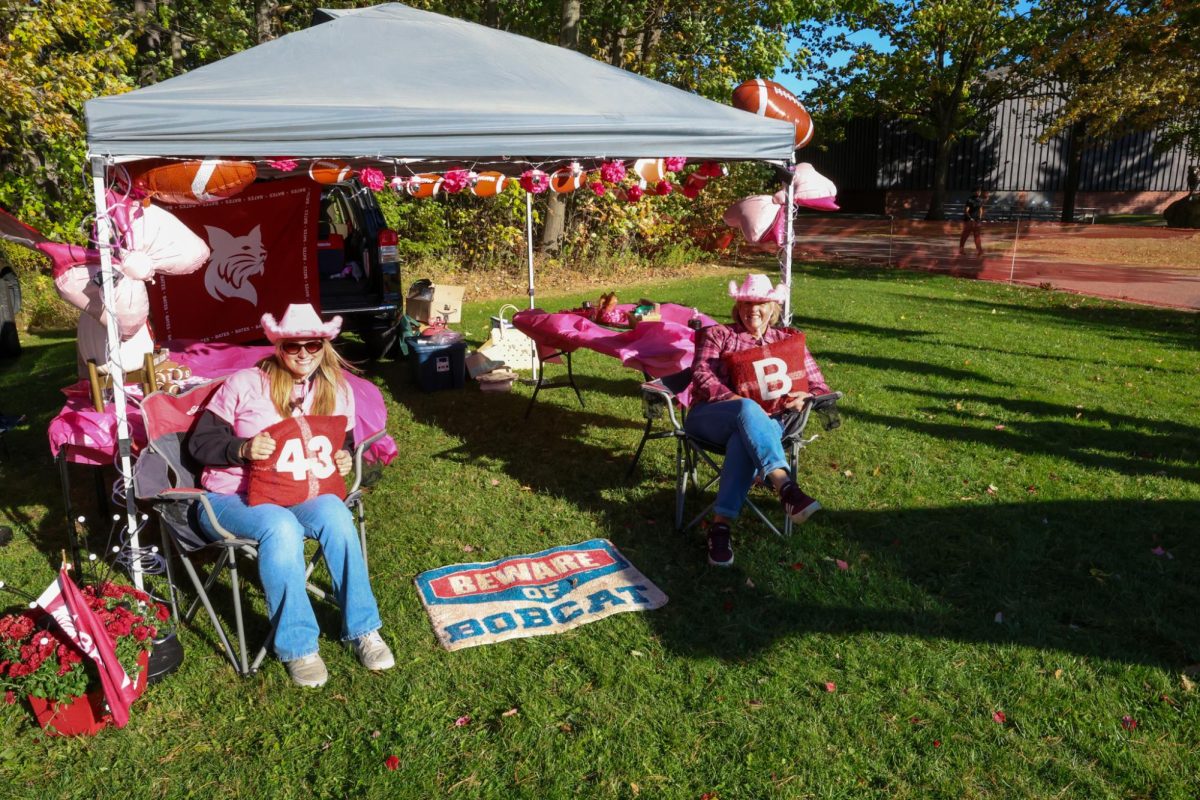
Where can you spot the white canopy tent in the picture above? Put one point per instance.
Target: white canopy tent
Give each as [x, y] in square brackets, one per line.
[408, 91]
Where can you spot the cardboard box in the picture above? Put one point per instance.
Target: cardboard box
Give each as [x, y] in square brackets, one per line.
[445, 303]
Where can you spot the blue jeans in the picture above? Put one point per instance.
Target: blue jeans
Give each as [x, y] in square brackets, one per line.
[753, 447]
[280, 533]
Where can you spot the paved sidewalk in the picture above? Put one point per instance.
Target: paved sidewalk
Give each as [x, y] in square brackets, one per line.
[933, 247]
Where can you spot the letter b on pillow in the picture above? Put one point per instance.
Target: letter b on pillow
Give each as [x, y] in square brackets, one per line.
[768, 373]
[302, 465]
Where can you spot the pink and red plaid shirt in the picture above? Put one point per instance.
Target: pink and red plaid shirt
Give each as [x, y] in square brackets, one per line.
[710, 376]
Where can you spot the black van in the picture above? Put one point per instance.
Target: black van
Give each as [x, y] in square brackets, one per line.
[358, 265]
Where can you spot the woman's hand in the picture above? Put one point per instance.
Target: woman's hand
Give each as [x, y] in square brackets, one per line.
[796, 400]
[259, 447]
[344, 462]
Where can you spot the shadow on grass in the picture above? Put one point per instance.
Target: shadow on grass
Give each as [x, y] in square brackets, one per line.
[1125, 444]
[1080, 577]
[1076, 576]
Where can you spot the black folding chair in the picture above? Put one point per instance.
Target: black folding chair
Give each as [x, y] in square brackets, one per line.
[660, 403]
[169, 478]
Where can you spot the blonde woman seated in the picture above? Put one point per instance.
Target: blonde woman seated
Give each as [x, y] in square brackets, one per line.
[751, 437]
[303, 379]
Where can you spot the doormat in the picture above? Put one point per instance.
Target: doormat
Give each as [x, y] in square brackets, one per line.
[533, 595]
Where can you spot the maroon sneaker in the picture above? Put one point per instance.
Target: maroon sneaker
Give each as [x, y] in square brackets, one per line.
[720, 550]
[796, 504]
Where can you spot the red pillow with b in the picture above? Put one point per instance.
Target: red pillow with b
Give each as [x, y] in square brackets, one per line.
[302, 465]
[767, 374]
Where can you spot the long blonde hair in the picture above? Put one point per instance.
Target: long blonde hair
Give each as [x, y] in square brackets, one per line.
[328, 381]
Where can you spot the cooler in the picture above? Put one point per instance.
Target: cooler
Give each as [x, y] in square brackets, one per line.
[439, 366]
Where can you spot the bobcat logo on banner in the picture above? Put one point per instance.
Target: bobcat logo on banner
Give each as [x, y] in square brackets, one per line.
[235, 260]
[263, 244]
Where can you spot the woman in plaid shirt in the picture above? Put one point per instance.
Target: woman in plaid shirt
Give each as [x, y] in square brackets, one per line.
[752, 439]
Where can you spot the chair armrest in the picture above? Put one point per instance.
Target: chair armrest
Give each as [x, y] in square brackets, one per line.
[657, 391]
[201, 496]
[359, 449]
[826, 406]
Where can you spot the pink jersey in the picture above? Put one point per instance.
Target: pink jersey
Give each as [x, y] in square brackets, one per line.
[244, 401]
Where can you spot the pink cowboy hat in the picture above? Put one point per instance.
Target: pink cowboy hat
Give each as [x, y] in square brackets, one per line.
[757, 289]
[300, 321]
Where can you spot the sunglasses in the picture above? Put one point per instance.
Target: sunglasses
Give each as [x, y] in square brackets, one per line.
[294, 348]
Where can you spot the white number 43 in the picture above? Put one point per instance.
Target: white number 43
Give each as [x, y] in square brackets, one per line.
[293, 459]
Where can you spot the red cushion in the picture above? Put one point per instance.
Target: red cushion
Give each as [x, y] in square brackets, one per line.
[302, 465]
[768, 373]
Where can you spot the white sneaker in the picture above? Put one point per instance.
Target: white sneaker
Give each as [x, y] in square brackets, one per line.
[373, 652]
[308, 671]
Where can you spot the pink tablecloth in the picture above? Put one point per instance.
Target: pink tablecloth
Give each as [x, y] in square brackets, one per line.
[655, 348]
[91, 436]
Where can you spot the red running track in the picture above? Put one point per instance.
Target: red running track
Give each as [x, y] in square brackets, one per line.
[933, 247]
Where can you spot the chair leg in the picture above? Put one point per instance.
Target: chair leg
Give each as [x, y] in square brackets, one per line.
[237, 613]
[202, 597]
[571, 379]
[681, 479]
[638, 453]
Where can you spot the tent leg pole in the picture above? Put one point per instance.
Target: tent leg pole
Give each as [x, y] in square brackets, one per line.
[529, 254]
[116, 369]
[789, 244]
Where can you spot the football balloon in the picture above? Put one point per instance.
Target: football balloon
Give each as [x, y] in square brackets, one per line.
[769, 99]
[488, 184]
[327, 171]
[194, 181]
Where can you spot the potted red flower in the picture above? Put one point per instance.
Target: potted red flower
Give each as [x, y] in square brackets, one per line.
[39, 661]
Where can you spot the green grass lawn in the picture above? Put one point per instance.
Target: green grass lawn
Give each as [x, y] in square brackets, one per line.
[1009, 462]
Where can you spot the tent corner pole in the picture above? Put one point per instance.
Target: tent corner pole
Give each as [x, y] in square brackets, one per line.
[116, 369]
[789, 244]
[529, 255]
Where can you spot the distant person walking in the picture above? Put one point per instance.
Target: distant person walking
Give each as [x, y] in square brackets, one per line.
[972, 216]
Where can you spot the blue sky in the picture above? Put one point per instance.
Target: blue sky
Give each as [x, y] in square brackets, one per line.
[801, 85]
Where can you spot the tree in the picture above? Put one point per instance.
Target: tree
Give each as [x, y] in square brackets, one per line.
[939, 65]
[56, 55]
[1141, 64]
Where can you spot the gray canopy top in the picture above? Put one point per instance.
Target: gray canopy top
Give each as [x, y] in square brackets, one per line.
[393, 84]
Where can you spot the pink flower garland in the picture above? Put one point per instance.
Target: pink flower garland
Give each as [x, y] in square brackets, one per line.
[674, 163]
[612, 171]
[283, 164]
[598, 188]
[663, 188]
[372, 178]
[456, 180]
[535, 181]
[634, 193]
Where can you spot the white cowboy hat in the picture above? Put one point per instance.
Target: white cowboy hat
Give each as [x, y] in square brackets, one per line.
[757, 289]
[300, 321]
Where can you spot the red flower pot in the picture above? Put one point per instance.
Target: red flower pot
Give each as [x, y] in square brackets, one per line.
[84, 715]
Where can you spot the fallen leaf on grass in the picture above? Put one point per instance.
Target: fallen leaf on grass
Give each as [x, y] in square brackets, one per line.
[799, 565]
[1031, 489]
[512, 712]
[565, 727]
[637, 653]
[992, 490]
[392, 762]
[830, 687]
[1187, 685]
[376, 734]
[999, 717]
[495, 482]
[998, 428]
[633, 787]
[468, 548]
[526, 488]
[749, 583]
[1058, 673]
[1128, 723]
[937, 742]
[463, 721]
[848, 473]
[842, 565]
[755, 704]
[709, 796]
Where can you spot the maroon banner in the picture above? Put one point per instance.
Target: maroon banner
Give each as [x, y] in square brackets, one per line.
[263, 244]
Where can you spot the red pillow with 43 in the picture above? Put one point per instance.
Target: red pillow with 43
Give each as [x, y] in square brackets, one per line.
[302, 465]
